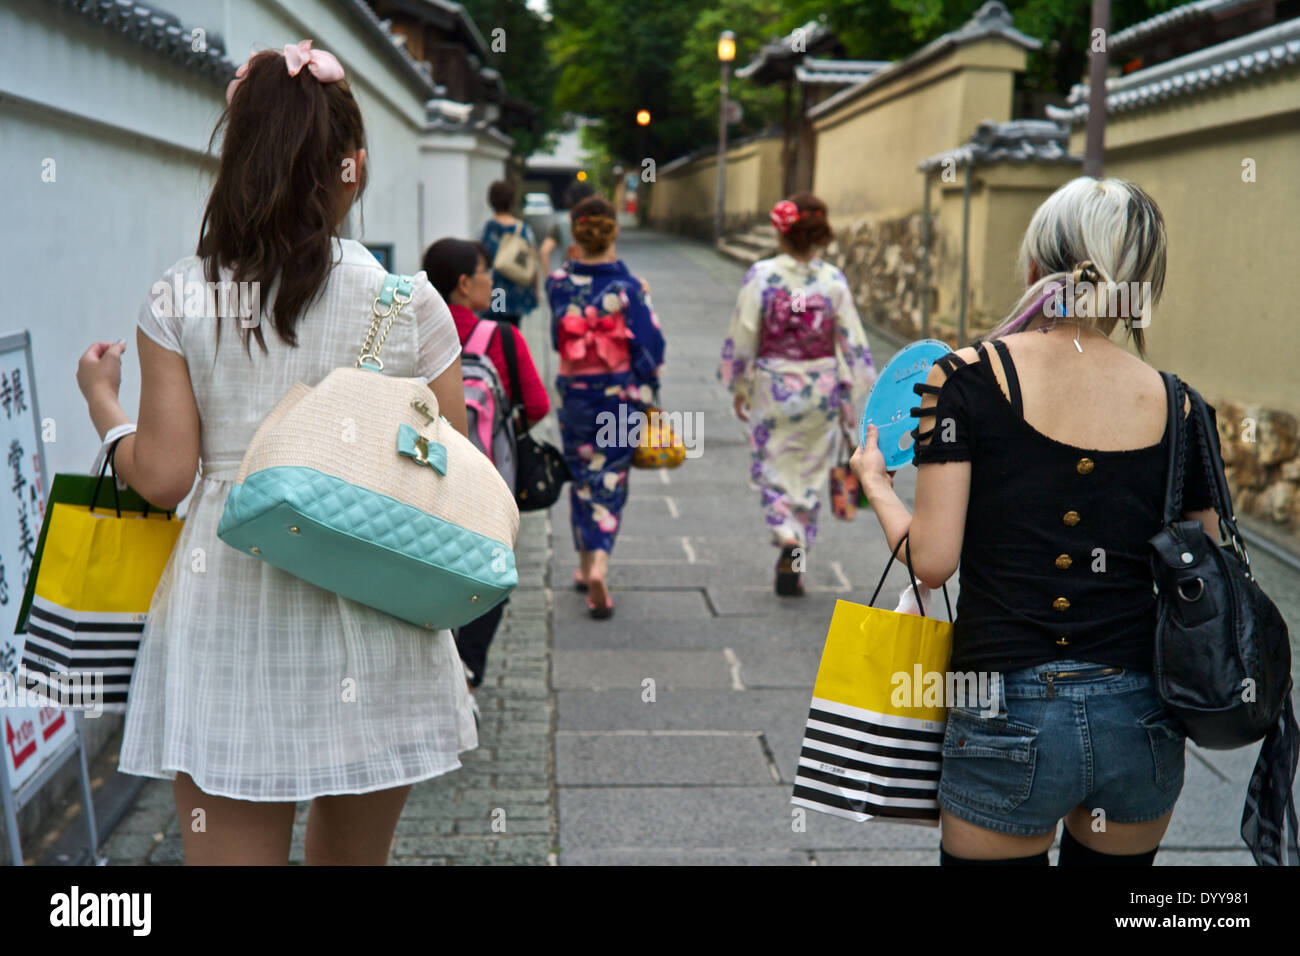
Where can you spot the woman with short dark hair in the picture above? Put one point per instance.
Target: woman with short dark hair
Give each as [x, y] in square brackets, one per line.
[459, 269]
[797, 360]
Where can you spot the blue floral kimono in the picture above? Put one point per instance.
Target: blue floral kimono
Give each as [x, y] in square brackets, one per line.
[611, 348]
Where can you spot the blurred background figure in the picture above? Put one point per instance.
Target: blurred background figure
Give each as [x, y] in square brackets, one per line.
[797, 361]
[512, 297]
[461, 272]
[611, 348]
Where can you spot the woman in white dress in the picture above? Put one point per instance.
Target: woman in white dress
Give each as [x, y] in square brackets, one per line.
[254, 690]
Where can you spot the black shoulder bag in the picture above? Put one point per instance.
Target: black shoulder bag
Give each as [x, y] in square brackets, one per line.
[1222, 650]
[540, 471]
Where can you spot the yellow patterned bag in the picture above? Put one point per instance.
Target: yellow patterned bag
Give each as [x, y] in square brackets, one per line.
[660, 446]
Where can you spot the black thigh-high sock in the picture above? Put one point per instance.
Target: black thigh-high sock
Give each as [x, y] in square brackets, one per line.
[1074, 853]
[947, 859]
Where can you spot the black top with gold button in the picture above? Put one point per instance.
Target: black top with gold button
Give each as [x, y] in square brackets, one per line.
[1038, 511]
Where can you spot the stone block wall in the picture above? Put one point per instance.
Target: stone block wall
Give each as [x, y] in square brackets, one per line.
[1261, 455]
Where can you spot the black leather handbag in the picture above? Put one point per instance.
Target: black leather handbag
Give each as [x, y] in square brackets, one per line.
[540, 470]
[1222, 651]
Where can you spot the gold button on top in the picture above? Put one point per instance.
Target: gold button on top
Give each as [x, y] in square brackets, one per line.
[1061, 604]
[1071, 518]
[1063, 562]
[1084, 466]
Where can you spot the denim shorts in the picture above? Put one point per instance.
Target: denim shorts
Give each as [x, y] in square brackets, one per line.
[1067, 734]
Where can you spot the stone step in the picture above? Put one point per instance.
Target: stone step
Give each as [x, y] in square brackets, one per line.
[738, 253]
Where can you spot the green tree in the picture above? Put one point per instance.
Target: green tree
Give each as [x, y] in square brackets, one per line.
[617, 56]
[519, 52]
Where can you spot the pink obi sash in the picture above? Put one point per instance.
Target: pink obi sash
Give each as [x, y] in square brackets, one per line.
[592, 343]
[803, 334]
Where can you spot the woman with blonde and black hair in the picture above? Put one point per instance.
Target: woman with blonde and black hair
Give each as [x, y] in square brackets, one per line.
[253, 689]
[611, 347]
[1041, 469]
[797, 360]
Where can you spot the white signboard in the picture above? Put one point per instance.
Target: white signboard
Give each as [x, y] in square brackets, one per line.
[31, 735]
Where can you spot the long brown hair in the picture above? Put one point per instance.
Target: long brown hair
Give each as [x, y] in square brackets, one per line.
[273, 207]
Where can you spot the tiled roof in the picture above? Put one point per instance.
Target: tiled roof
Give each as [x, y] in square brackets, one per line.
[1018, 141]
[991, 20]
[807, 37]
[1173, 19]
[415, 70]
[1264, 51]
[161, 31]
[837, 72]
[450, 117]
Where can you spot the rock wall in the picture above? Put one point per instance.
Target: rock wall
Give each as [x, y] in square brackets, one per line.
[882, 261]
[1261, 455]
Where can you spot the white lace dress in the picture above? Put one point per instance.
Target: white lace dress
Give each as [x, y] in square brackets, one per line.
[258, 685]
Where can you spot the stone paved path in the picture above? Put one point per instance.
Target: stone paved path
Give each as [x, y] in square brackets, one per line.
[585, 767]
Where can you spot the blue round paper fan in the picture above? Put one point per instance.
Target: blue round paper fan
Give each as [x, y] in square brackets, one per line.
[891, 400]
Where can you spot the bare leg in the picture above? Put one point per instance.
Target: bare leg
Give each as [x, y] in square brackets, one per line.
[1118, 838]
[596, 573]
[972, 842]
[354, 829]
[219, 831]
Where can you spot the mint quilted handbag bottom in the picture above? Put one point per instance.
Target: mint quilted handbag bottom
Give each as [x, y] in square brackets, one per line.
[367, 547]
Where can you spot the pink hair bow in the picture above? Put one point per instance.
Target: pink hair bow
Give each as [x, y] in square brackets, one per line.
[784, 215]
[324, 66]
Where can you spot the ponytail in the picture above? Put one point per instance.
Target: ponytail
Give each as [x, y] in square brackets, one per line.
[274, 209]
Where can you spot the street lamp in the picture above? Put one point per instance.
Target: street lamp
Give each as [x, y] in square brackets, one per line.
[642, 117]
[726, 53]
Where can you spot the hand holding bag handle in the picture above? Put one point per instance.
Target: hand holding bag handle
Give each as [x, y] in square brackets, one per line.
[907, 550]
[109, 466]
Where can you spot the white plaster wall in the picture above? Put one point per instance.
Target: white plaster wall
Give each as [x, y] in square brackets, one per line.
[128, 130]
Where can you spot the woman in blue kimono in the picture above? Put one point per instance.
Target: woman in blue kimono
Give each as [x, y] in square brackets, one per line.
[611, 348]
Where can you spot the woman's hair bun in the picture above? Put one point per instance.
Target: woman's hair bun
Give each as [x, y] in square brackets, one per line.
[595, 225]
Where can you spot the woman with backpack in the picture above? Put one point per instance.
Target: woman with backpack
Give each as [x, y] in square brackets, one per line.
[1041, 465]
[461, 272]
[253, 689]
[611, 348]
[512, 298]
[797, 361]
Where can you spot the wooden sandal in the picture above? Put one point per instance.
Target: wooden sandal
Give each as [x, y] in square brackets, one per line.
[601, 611]
[789, 582]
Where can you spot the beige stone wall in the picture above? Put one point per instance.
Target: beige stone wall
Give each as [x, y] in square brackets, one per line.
[1227, 322]
[683, 199]
[1004, 197]
[868, 149]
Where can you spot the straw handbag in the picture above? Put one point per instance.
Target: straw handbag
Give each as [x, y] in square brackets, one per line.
[360, 487]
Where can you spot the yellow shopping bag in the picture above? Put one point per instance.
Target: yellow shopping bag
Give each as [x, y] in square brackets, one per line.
[873, 742]
[88, 593]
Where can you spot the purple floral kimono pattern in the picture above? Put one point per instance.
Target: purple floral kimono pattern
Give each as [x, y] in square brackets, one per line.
[798, 355]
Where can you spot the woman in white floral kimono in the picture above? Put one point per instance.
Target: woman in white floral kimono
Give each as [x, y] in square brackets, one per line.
[797, 360]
